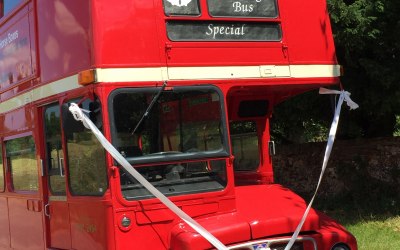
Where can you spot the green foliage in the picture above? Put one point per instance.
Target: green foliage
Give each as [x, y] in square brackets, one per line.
[304, 118]
[353, 23]
[366, 36]
[397, 127]
[367, 41]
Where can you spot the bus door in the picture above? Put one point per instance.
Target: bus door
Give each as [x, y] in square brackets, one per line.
[56, 209]
[24, 202]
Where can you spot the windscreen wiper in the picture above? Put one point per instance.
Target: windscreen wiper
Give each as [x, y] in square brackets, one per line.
[155, 98]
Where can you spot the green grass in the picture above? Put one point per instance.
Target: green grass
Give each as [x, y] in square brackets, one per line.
[375, 233]
[374, 230]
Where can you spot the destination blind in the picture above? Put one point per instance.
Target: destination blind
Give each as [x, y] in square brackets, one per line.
[243, 8]
[223, 31]
[226, 8]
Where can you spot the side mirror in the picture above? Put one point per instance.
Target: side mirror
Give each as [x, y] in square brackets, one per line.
[69, 124]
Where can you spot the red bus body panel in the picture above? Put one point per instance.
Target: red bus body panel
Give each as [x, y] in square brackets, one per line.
[4, 224]
[137, 35]
[307, 25]
[45, 44]
[64, 38]
[26, 223]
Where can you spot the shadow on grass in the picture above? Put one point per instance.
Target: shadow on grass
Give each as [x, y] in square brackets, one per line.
[375, 224]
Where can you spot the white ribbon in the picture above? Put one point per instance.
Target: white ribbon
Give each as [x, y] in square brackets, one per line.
[80, 116]
[350, 103]
[344, 96]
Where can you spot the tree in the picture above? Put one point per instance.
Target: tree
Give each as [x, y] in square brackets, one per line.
[367, 37]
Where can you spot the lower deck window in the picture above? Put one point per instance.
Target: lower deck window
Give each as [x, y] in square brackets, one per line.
[21, 159]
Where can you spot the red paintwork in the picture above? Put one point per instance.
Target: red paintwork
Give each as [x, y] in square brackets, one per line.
[26, 228]
[4, 224]
[59, 225]
[274, 211]
[65, 37]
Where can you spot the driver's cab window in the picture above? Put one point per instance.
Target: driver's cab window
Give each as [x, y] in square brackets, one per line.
[245, 145]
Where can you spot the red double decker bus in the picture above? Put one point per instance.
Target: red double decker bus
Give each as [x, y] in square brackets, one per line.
[184, 90]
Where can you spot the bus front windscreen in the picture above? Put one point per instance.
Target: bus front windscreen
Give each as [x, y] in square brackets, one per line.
[179, 143]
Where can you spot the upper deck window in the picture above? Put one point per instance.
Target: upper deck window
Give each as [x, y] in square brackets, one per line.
[181, 7]
[6, 6]
[21, 160]
[243, 8]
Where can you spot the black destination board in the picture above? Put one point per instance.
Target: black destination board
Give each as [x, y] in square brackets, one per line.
[223, 31]
[181, 7]
[243, 8]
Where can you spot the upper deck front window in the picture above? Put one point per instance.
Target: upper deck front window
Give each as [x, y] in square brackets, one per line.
[183, 136]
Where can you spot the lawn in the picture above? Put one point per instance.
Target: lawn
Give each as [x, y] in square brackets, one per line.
[371, 212]
[373, 229]
[375, 233]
